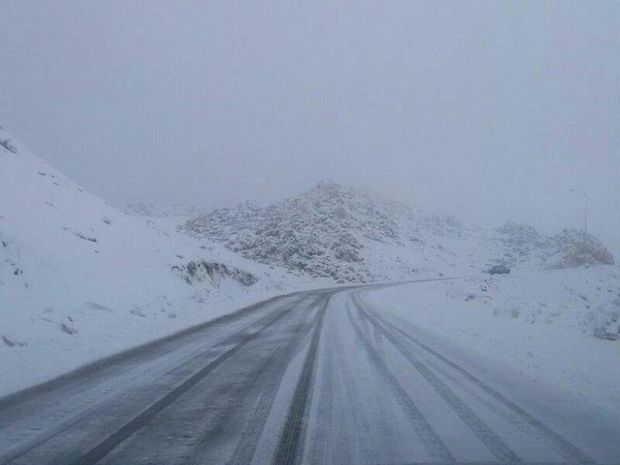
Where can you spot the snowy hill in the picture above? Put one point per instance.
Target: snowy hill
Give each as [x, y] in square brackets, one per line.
[330, 231]
[348, 235]
[79, 279]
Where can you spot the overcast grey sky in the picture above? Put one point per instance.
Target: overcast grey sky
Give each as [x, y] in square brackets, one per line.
[487, 110]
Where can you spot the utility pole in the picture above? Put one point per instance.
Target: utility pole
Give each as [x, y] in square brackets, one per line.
[585, 212]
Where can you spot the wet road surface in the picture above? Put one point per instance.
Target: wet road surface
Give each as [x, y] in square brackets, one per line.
[316, 377]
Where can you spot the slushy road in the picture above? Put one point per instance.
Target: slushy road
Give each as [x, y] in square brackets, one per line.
[316, 377]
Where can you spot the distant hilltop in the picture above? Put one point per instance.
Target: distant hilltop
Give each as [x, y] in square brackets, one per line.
[353, 236]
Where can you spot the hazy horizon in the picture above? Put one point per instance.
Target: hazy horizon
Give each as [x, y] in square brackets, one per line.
[486, 111]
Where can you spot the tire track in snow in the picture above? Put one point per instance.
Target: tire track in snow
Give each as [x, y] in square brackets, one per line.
[289, 449]
[488, 437]
[568, 450]
[277, 364]
[325, 403]
[115, 439]
[260, 374]
[146, 351]
[336, 373]
[432, 442]
[362, 421]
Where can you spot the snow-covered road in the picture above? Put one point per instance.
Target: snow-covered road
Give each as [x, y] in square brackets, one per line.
[316, 377]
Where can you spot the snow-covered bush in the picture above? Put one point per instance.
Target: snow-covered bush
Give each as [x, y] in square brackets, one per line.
[568, 249]
[580, 249]
[320, 232]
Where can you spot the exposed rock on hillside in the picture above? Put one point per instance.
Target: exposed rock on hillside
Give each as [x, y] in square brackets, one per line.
[214, 273]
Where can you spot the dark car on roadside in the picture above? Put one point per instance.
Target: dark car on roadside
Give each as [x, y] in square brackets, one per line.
[499, 269]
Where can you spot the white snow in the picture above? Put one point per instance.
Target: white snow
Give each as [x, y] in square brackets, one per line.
[544, 326]
[355, 236]
[80, 280]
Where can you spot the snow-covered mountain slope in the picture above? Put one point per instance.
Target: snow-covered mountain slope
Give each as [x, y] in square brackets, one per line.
[79, 279]
[351, 235]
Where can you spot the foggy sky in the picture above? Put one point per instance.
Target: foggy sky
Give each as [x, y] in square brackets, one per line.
[486, 110]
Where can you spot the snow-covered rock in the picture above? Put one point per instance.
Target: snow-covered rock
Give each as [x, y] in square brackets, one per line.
[214, 273]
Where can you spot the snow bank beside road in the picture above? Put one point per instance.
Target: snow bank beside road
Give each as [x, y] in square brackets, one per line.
[550, 327]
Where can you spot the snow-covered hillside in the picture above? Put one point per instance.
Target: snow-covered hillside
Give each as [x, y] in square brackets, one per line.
[353, 236]
[79, 279]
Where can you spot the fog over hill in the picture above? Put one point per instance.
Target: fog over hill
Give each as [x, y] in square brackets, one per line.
[322, 232]
[352, 235]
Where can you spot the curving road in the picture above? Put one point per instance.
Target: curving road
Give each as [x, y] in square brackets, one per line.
[313, 377]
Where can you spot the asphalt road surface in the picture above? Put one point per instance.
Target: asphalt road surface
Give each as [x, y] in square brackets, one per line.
[314, 377]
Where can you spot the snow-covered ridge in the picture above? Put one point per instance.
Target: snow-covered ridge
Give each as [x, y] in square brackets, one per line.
[350, 235]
